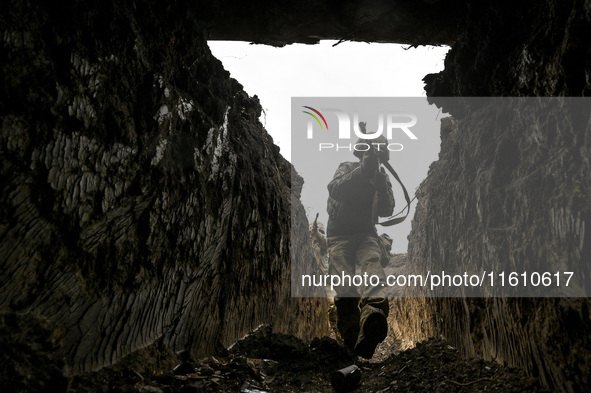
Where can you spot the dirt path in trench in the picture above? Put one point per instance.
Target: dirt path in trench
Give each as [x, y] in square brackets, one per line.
[267, 362]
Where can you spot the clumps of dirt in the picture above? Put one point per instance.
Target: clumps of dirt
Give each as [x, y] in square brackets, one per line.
[435, 366]
[300, 368]
[266, 362]
[262, 343]
[28, 360]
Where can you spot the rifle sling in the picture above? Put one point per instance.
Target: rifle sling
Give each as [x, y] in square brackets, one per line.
[398, 220]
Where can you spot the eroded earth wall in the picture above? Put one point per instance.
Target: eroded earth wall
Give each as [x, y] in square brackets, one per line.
[141, 199]
[512, 190]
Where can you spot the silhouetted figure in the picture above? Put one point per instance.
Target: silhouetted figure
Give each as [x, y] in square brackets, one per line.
[358, 194]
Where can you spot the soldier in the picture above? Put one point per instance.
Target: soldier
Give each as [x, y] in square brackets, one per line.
[319, 245]
[358, 194]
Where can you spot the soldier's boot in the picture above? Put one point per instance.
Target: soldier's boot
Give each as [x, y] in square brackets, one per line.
[348, 315]
[374, 329]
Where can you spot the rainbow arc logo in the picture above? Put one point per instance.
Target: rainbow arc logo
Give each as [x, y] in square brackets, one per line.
[315, 117]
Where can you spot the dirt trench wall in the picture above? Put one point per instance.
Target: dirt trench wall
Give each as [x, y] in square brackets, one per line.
[141, 199]
[520, 194]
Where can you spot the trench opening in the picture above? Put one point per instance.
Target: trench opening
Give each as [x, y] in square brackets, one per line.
[327, 69]
[276, 75]
[337, 69]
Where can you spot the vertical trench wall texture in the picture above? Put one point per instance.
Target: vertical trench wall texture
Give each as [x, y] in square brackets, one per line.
[141, 199]
[514, 190]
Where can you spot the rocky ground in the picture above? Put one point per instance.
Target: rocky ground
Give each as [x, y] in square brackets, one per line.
[269, 362]
[262, 362]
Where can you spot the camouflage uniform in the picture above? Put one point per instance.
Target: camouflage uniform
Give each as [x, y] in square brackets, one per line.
[319, 245]
[352, 242]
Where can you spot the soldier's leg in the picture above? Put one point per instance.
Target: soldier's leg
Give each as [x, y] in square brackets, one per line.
[342, 262]
[374, 304]
[348, 314]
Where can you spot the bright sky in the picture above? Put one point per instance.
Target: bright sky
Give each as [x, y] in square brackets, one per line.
[349, 69]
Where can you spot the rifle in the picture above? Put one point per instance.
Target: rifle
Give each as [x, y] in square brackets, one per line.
[315, 223]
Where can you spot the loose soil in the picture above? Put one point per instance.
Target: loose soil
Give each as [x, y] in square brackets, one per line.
[269, 362]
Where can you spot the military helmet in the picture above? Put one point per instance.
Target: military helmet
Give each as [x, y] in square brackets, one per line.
[320, 227]
[386, 241]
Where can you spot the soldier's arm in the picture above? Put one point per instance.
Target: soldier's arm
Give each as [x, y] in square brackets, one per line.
[385, 195]
[347, 183]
